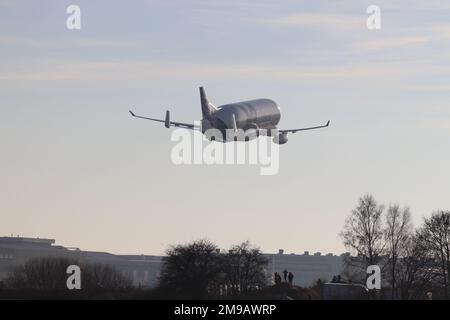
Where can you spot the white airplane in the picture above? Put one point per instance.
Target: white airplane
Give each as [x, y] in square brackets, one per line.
[253, 118]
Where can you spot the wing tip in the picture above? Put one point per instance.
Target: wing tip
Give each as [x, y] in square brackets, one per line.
[328, 123]
[131, 112]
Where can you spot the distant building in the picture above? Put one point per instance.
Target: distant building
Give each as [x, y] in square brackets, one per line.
[143, 270]
[307, 269]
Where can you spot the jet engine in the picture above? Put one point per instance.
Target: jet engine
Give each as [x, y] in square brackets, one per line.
[281, 138]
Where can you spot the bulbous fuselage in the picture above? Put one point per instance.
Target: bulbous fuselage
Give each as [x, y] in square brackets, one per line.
[248, 116]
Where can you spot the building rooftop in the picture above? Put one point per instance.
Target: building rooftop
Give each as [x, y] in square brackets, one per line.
[22, 240]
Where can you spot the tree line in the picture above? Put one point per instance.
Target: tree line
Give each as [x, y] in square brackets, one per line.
[415, 262]
[46, 278]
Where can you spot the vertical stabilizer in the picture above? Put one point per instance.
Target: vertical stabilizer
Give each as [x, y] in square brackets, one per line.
[207, 108]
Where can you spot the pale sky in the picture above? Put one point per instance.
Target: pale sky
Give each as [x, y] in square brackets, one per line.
[76, 167]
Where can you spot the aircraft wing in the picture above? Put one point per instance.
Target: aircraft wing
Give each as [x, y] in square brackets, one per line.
[167, 122]
[304, 129]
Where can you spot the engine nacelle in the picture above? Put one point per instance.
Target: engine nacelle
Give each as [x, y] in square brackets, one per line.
[281, 138]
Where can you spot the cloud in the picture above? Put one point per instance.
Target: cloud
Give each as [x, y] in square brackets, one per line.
[95, 70]
[353, 27]
[6, 40]
[80, 42]
[335, 22]
[440, 31]
[413, 37]
[393, 42]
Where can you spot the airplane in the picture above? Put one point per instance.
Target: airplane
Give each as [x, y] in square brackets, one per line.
[254, 118]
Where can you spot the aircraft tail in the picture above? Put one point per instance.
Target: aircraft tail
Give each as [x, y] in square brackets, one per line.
[207, 108]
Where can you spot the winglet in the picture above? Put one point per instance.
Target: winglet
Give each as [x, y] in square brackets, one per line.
[132, 113]
[328, 123]
[167, 120]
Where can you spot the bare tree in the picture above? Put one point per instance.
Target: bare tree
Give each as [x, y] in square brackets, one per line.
[363, 234]
[397, 234]
[245, 268]
[46, 276]
[42, 274]
[415, 273]
[415, 262]
[103, 277]
[435, 237]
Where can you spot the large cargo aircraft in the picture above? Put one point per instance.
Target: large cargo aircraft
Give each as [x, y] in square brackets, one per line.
[240, 121]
